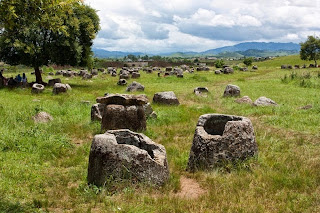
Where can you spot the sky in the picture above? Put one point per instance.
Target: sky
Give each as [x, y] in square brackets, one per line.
[157, 26]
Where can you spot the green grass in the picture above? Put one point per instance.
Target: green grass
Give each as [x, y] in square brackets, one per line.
[43, 167]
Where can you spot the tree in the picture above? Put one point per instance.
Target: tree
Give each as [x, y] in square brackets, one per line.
[310, 49]
[219, 63]
[248, 61]
[39, 32]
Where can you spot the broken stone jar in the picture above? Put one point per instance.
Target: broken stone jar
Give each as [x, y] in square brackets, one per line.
[219, 139]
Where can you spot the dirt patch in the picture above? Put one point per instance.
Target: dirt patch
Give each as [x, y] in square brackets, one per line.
[190, 189]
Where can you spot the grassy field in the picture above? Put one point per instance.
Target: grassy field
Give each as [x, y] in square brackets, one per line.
[43, 167]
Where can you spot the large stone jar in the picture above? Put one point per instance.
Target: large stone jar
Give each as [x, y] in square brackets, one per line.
[123, 154]
[219, 139]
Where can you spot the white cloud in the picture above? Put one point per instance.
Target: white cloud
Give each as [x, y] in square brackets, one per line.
[188, 25]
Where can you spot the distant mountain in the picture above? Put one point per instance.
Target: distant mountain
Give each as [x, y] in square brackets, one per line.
[100, 53]
[258, 49]
[270, 46]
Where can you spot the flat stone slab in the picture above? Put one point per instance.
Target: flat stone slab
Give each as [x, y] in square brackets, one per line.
[263, 101]
[123, 99]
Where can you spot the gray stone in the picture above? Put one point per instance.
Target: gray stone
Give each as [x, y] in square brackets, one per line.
[51, 82]
[123, 154]
[135, 75]
[217, 72]
[135, 86]
[37, 88]
[94, 72]
[166, 98]
[97, 112]
[123, 99]
[86, 76]
[60, 88]
[219, 139]
[263, 101]
[306, 107]
[254, 67]
[232, 90]
[227, 70]
[42, 117]
[244, 100]
[123, 117]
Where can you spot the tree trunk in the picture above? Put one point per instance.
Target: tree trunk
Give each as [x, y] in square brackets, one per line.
[315, 63]
[38, 75]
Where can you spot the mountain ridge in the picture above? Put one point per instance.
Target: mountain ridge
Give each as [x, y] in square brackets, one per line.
[258, 48]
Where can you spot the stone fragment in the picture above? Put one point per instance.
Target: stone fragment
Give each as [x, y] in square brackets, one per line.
[263, 101]
[37, 88]
[42, 117]
[244, 100]
[135, 86]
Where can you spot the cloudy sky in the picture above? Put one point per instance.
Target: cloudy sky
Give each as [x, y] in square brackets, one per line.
[156, 26]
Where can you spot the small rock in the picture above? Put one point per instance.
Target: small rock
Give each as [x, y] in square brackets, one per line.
[263, 101]
[218, 72]
[42, 117]
[244, 100]
[122, 82]
[306, 107]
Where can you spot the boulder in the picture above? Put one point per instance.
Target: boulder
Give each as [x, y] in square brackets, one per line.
[60, 88]
[284, 66]
[42, 117]
[244, 100]
[219, 139]
[37, 88]
[122, 82]
[135, 86]
[180, 75]
[94, 72]
[243, 69]
[231, 90]
[123, 154]
[166, 98]
[86, 76]
[254, 67]
[263, 101]
[51, 82]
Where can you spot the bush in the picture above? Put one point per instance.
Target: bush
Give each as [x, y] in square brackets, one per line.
[248, 61]
[219, 63]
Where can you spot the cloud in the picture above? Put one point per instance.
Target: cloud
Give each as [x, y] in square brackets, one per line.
[188, 25]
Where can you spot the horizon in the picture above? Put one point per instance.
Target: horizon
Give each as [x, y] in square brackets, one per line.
[188, 26]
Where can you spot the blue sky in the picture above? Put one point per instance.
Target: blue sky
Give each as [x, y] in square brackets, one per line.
[187, 25]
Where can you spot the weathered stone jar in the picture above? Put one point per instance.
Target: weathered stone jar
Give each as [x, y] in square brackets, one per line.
[219, 139]
[123, 154]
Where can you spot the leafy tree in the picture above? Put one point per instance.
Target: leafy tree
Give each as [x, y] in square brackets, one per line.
[310, 49]
[39, 32]
[219, 63]
[248, 61]
[132, 57]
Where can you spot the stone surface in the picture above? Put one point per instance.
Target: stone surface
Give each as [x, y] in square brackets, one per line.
[42, 117]
[123, 117]
[97, 112]
[232, 90]
[123, 154]
[254, 67]
[306, 107]
[219, 139]
[227, 70]
[54, 81]
[123, 99]
[60, 88]
[166, 98]
[135, 86]
[244, 100]
[263, 101]
[135, 75]
[217, 72]
[37, 88]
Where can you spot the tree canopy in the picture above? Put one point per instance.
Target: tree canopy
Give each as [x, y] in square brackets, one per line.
[310, 49]
[39, 32]
[248, 61]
